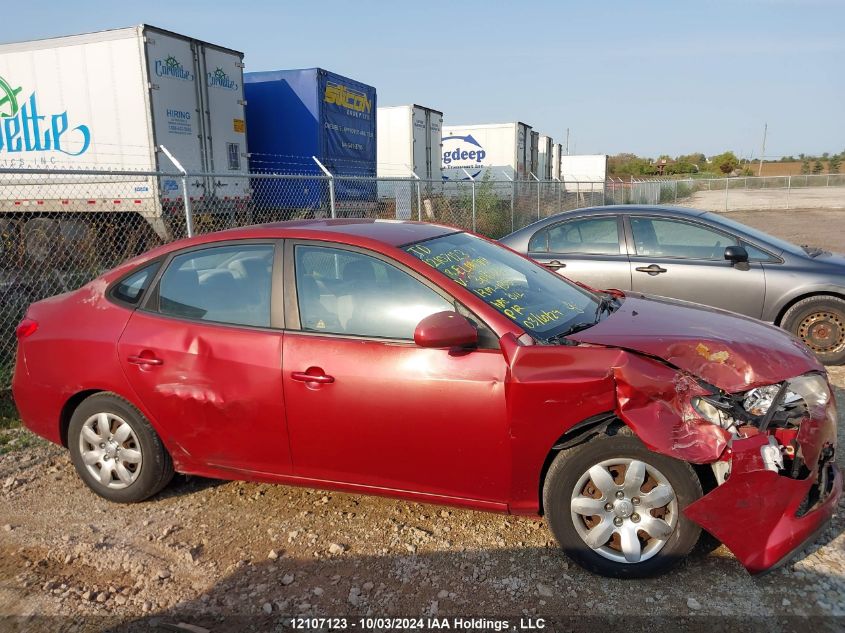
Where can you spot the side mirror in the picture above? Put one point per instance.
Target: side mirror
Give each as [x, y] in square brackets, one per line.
[736, 254]
[445, 330]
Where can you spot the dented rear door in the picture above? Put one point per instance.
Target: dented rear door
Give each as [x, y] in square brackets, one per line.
[214, 389]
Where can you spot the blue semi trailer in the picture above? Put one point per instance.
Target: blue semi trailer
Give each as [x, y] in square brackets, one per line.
[293, 115]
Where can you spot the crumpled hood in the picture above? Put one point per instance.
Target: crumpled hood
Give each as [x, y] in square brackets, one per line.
[727, 350]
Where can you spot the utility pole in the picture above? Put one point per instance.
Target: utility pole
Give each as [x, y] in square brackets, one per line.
[567, 141]
[763, 151]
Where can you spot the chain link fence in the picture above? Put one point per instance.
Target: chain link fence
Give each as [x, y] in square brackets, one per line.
[736, 193]
[61, 228]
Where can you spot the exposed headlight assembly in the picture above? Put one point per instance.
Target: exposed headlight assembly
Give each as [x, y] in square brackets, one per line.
[758, 401]
[714, 411]
[755, 405]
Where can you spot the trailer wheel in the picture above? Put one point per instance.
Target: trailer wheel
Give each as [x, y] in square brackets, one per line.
[39, 237]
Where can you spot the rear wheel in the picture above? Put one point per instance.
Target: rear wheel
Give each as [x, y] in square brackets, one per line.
[820, 323]
[615, 507]
[116, 451]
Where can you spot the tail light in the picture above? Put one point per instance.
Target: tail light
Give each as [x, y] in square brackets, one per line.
[26, 328]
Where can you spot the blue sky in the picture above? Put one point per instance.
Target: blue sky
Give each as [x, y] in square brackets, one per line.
[644, 77]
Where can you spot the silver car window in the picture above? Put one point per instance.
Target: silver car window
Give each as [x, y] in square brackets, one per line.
[663, 237]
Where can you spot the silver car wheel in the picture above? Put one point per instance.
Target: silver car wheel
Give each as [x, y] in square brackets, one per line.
[624, 510]
[110, 450]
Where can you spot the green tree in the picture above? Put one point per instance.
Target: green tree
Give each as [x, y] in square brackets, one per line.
[680, 167]
[818, 167]
[725, 162]
[696, 158]
[805, 166]
[630, 165]
[834, 164]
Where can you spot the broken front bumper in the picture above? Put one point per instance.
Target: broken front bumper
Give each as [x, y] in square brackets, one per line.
[762, 516]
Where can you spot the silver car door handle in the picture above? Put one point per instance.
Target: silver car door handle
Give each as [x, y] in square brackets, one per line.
[554, 265]
[652, 270]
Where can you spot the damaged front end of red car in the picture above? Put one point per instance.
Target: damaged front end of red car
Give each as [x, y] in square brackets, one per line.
[747, 400]
[771, 449]
[778, 482]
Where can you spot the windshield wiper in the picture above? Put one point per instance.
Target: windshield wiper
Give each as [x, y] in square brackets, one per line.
[560, 337]
[608, 303]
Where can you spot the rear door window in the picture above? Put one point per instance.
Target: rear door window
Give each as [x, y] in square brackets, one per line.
[592, 236]
[223, 284]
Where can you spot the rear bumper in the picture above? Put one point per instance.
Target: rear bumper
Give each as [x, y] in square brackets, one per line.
[764, 517]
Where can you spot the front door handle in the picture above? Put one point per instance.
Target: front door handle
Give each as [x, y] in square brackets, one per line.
[554, 265]
[319, 378]
[652, 270]
[145, 360]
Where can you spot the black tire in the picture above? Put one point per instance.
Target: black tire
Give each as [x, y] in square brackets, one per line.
[564, 474]
[819, 322]
[156, 467]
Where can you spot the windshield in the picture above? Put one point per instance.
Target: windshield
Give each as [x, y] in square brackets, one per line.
[538, 301]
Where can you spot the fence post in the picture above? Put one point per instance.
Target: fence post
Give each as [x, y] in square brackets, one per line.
[472, 181]
[419, 195]
[538, 192]
[331, 185]
[513, 195]
[189, 214]
[788, 188]
[558, 194]
[676, 191]
[726, 195]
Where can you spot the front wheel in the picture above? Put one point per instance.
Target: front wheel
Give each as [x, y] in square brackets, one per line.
[615, 507]
[820, 323]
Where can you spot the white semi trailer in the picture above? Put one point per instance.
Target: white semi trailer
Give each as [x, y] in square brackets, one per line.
[108, 101]
[557, 150]
[409, 139]
[544, 158]
[584, 171]
[499, 151]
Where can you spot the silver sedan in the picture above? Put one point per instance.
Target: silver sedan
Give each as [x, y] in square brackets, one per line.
[701, 257]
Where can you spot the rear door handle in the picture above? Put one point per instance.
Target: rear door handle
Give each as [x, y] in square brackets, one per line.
[554, 265]
[145, 360]
[304, 376]
[652, 270]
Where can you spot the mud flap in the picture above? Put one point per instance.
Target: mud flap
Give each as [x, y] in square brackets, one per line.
[754, 512]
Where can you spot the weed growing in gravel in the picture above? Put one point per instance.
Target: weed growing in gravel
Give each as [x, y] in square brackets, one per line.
[8, 413]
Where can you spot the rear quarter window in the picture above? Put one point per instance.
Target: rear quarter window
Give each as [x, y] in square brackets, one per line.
[131, 288]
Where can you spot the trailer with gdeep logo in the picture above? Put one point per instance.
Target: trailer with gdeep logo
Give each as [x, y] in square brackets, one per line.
[295, 116]
[493, 151]
[109, 101]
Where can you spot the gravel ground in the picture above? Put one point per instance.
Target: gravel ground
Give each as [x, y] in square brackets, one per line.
[206, 548]
[799, 197]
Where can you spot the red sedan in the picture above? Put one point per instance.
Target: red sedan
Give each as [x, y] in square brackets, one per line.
[420, 362]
